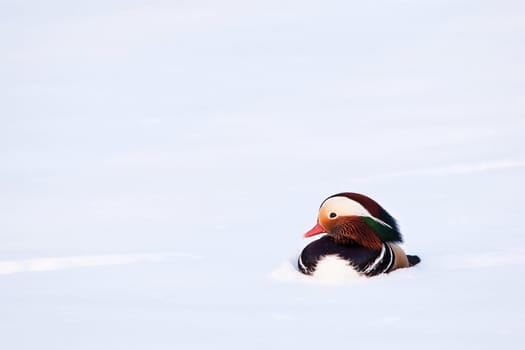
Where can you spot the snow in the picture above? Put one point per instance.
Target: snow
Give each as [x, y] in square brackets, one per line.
[68, 262]
[160, 161]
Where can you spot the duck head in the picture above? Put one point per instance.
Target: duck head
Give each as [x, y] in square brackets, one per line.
[352, 218]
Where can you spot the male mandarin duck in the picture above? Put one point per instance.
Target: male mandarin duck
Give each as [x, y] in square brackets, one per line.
[359, 233]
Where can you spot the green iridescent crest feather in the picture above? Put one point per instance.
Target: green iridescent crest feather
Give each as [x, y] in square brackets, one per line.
[384, 232]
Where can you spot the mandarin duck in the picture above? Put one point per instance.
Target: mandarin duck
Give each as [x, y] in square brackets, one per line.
[359, 234]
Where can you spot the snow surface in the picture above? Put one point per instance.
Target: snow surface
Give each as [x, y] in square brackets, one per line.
[160, 161]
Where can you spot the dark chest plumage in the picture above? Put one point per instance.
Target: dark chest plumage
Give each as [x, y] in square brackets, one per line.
[365, 261]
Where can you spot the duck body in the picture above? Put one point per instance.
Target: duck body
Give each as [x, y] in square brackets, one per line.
[364, 261]
[359, 234]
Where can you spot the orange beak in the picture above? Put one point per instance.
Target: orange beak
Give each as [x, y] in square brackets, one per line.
[317, 229]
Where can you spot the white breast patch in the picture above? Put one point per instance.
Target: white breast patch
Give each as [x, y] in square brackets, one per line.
[332, 269]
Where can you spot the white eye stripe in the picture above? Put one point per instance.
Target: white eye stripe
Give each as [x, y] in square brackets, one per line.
[343, 206]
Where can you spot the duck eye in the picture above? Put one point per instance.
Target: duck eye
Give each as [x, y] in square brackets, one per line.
[332, 215]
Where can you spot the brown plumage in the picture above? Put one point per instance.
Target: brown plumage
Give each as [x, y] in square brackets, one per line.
[352, 229]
